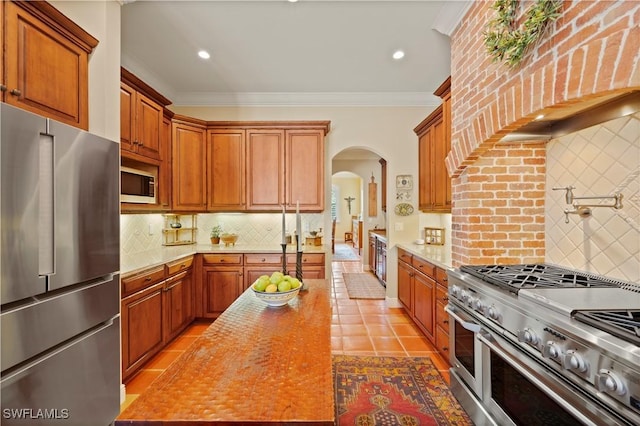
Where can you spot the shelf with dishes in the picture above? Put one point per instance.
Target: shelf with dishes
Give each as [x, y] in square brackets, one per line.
[179, 229]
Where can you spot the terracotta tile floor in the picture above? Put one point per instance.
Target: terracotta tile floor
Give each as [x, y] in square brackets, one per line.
[359, 327]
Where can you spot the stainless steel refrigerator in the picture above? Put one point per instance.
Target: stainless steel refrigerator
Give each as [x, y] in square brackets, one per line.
[59, 273]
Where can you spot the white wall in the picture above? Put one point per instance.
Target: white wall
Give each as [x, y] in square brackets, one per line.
[101, 19]
[387, 131]
[347, 187]
[598, 161]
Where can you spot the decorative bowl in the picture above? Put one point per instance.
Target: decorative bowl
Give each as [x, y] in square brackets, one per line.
[229, 239]
[279, 298]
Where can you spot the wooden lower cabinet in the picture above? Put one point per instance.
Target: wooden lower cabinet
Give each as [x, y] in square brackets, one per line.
[423, 294]
[222, 286]
[179, 304]
[158, 305]
[422, 290]
[142, 327]
[405, 285]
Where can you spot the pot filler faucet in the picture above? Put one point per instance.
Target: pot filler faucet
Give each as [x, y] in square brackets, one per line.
[584, 210]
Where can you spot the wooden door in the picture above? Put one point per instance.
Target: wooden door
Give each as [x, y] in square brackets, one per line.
[423, 303]
[127, 117]
[424, 171]
[441, 183]
[265, 169]
[163, 185]
[221, 288]
[47, 72]
[142, 327]
[226, 170]
[148, 127]
[405, 286]
[305, 169]
[189, 168]
[178, 306]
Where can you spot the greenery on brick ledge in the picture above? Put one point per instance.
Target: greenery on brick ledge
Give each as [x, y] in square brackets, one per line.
[505, 42]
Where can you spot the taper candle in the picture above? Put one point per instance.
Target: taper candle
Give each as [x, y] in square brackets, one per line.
[298, 225]
[284, 237]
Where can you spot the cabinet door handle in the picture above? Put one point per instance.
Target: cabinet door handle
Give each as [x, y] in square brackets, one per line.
[3, 88]
[445, 321]
[445, 299]
[15, 92]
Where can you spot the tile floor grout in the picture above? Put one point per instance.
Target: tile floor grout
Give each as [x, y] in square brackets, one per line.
[381, 330]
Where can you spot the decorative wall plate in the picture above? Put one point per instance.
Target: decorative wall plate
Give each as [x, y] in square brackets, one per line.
[403, 209]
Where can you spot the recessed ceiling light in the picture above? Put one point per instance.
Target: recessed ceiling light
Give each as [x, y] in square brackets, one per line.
[204, 54]
[398, 54]
[540, 117]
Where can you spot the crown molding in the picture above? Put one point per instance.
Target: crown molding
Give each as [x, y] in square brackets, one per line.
[450, 16]
[307, 99]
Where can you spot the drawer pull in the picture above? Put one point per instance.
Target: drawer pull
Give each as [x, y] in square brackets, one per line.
[445, 299]
[445, 321]
[445, 349]
[264, 260]
[15, 92]
[148, 279]
[183, 266]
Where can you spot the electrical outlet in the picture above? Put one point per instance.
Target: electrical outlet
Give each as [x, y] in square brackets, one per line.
[399, 226]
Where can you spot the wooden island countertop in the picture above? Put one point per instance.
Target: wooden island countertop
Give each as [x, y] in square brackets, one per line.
[254, 364]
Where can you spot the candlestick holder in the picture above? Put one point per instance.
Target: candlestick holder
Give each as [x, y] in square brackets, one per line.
[284, 258]
[299, 270]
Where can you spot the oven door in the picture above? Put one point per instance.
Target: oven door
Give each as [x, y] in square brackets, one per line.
[518, 390]
[466, 350]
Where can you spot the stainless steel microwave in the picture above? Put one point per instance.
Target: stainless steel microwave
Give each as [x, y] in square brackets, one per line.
[137, 186]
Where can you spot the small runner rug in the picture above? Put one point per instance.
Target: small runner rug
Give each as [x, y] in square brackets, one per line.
[343, 252]
[393, 391]
[363, 286]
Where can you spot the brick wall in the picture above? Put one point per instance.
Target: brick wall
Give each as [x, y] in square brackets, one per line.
[592, 51]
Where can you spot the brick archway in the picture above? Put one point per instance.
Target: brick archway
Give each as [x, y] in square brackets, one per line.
[591, 52]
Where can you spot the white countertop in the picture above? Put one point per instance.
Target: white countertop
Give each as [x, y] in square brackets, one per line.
[130, 264]
[438, 255]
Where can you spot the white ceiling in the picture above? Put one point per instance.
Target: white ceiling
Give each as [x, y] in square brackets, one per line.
[272, 52]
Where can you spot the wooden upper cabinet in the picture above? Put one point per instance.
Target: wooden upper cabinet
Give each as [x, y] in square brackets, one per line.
[265, 169]
[189, 166]
[304, 170]
[434, 144]
[46, 59]
[127, 117]
[226, 170]
[141, 120]
[140, 124]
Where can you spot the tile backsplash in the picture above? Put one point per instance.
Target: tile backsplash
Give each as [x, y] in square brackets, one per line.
[598, 161]
[142, 232]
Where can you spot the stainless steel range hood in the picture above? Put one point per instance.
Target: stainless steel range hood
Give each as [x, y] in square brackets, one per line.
[577, 117]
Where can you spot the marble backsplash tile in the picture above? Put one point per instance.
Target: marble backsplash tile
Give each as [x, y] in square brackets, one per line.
[142, 232]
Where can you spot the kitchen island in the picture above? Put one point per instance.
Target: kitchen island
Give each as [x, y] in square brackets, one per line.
[254, 364]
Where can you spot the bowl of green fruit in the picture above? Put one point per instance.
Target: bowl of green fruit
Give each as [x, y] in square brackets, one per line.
[276, 289]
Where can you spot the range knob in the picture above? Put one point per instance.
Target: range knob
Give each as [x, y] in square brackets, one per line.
[528, 336]
[607, 381]
[493, 313]
[464, 295]
[572, 360]
[455, 291]
[550, 350]
[478, 305]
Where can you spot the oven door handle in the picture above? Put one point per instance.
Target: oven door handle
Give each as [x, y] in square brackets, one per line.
[467, 324]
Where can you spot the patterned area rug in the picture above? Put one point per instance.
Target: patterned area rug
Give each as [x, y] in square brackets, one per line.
[344, 252]
[393, 391]
[363, 286]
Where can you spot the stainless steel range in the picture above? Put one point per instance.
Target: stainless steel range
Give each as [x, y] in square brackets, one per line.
[541, 344]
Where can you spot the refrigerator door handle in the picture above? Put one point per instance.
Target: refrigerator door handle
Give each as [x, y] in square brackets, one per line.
[46, 212]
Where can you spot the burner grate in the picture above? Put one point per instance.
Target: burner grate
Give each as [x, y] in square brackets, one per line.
[623, 324]
[538, 275]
